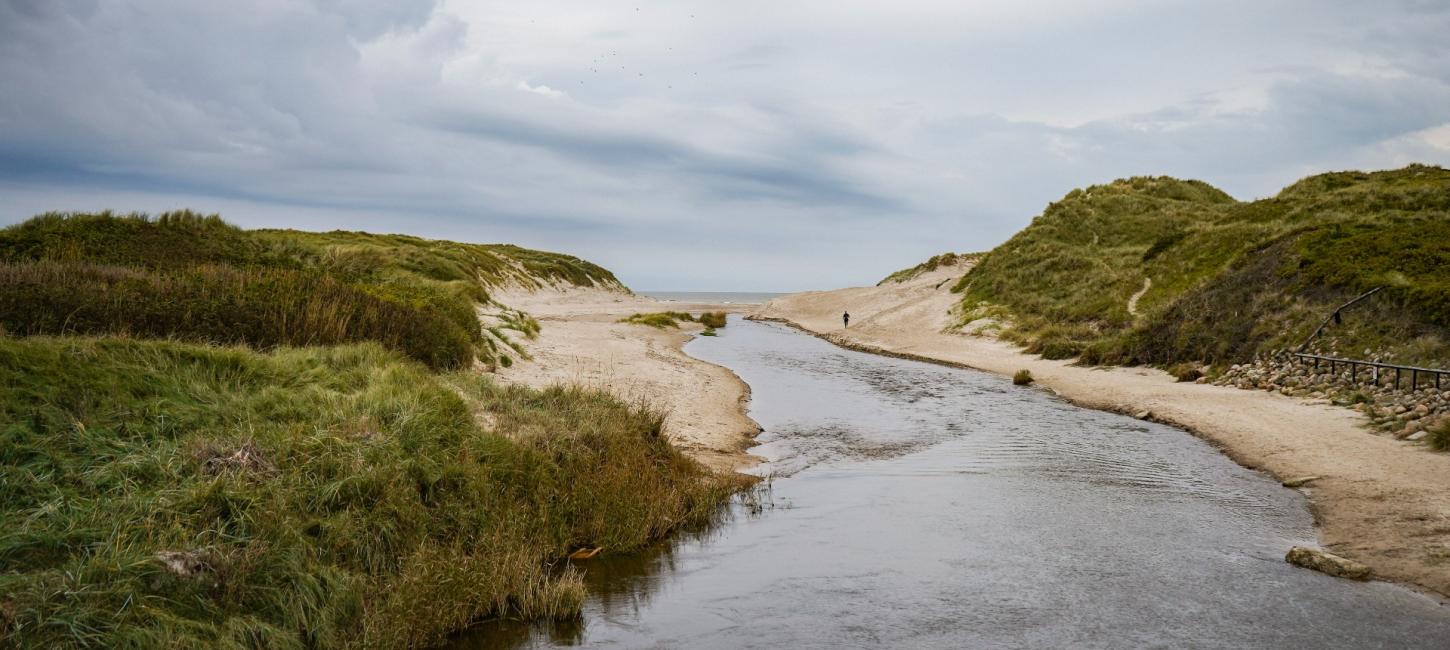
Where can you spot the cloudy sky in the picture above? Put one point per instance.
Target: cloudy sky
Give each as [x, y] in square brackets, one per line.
[752, 144]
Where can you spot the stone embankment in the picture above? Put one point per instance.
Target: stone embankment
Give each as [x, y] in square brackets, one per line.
[1407, 414]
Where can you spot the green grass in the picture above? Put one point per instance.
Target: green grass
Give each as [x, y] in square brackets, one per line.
[932, 264]
[660, 319]
[1230, 279]
[414, 295]
[312, 497]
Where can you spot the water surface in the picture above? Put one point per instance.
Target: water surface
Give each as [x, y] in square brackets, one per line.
[915, 505]
[718, 297]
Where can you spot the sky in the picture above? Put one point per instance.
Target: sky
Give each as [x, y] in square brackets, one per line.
[764, 145]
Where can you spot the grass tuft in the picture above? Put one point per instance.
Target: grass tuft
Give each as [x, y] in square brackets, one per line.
[1022, 377]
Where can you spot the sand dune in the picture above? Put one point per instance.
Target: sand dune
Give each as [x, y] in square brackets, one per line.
[581, 342]
[1380, 501]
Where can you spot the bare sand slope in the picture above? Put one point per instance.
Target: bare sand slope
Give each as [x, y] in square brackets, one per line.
[582, 343]
[1380, 501]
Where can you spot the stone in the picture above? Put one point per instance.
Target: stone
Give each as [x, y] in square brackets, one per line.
[1299, 482]
[1143, 415]
[1327, 563]
[1417, 435]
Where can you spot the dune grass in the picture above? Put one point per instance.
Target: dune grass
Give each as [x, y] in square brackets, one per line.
[162, 494]
[1230, 279]
[713, 319]
[195, 277]
[660, 319]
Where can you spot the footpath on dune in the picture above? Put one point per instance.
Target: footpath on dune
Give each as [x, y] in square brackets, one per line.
[582, 342]
[1380, 501]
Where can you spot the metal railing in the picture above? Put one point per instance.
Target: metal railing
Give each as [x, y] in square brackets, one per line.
[1354, 364]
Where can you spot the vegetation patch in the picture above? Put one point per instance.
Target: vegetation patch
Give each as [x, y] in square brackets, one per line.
[164, 494]
[659, 319]
[195, 277]
[1231, 280]
[932, 264]
[1022, 377]
[712, 319]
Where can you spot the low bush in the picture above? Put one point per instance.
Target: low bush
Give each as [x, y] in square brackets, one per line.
[1186, 372]
[1022, 377]
[712, 319]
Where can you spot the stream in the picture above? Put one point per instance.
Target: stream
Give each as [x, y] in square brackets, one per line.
[915, 505]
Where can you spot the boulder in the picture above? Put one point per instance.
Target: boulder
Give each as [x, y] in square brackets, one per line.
[1327, 563]
[1301, 481]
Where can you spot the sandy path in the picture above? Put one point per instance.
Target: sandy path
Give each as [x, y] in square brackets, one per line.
[581, 343]
[1381, 501]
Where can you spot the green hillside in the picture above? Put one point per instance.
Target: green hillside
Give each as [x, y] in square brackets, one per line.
[307, 457]
[194, 277]
[1229, 279]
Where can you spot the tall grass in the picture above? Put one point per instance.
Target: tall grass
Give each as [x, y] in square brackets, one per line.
[264, 308]
[172, 495]
[415, 295]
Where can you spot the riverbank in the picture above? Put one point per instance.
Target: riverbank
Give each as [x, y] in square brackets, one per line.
[1379, 501]
[582, 342]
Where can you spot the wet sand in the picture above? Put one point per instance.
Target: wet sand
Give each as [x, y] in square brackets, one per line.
[582, 342]
[1380, 501]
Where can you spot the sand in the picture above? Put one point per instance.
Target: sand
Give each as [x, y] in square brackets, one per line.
[1382, 502]
[581, 342]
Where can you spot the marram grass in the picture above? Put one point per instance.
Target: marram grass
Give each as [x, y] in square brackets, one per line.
[162, 494]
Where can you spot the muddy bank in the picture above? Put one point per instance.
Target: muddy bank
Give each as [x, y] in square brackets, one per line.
[582, 342]
[1382, 502]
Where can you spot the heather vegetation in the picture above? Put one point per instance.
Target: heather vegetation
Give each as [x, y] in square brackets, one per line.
[1230, 280]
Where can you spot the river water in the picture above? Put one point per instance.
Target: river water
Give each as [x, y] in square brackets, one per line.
[915, 505]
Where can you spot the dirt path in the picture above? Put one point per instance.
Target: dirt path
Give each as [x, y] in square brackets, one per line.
[581, 342]
[1380, 501]
[1133, 299]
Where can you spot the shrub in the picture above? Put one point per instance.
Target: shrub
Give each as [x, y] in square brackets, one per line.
[1440, 436]
[1022, 377]
[712, 319]
[1186, 372]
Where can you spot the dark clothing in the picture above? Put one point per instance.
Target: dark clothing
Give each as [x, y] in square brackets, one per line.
[846, 319]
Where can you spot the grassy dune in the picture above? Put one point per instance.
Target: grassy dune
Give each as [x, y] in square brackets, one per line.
[194, 277]
[162, 494]
[1230, 279]
[212, 437]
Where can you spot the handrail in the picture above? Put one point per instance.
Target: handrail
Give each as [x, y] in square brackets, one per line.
[1355, 363]
[1334, 316]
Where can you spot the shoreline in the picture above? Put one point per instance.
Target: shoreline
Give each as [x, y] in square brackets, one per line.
[581, 342]
[1379, 501]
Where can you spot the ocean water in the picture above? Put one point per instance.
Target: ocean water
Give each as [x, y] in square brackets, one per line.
[727, 297]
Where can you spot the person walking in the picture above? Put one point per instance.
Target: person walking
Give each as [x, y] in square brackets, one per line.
[845, 319]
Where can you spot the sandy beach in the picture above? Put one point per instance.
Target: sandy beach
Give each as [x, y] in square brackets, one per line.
[582, 342]
[1379, 501]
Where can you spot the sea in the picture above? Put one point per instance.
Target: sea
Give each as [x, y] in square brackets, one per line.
[721, 297]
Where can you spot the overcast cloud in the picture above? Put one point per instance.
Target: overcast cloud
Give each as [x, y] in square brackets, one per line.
[755, 144]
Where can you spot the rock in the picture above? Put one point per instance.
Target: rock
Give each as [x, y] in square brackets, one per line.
[1327, 563]
[1143, 415]
[1421, 409]
[1299, 482]
[1417, 435]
